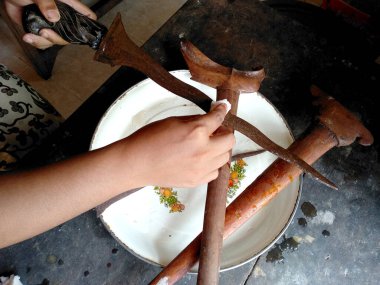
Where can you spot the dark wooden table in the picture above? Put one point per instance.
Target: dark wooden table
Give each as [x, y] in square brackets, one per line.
[343, 239]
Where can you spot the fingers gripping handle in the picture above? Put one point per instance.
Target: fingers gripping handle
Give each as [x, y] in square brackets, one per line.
[73, 27]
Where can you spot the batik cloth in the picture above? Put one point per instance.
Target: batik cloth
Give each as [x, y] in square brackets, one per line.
[26, 118]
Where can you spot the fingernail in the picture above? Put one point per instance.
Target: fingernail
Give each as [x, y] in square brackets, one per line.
[28, 39]
[91, 16]
[216, 104]
[53, 15]
[221, 106]
[44, 34]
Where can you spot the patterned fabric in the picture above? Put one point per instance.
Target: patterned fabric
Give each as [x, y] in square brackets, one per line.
[25, 119]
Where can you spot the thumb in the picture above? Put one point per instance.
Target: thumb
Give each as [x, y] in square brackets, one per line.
[49, 9]
[213, 119]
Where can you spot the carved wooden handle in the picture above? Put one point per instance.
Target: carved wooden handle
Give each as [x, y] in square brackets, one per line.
[73, 27]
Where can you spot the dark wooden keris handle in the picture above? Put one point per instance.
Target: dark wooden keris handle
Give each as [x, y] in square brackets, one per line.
[73, 27]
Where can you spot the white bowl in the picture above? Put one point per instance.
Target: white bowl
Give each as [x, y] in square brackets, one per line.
[145, 227]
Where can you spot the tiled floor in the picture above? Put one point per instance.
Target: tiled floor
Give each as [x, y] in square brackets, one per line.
[75, 75]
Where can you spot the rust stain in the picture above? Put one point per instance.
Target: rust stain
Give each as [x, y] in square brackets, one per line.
[273, 189]
[238, 214]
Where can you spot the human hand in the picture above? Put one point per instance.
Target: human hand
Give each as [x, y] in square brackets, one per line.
[48, 8]
[179, 151]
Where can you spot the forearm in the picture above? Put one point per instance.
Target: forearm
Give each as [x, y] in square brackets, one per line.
[35, 201]
[176, 152]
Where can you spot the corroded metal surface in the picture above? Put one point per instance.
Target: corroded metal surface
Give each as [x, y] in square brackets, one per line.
[229, 84]
[345, 136]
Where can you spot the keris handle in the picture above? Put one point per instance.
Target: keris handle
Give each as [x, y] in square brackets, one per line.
[73, 26]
